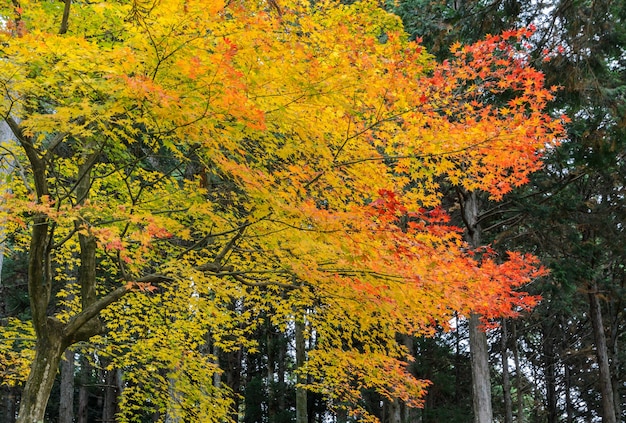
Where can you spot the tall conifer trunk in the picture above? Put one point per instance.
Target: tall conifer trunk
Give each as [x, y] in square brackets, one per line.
[481, 381]
[301, 394]
[520, 379]
[66, 401]
[479, 351]
[506, 380]
[113, 388]
[606, 387]
[550, 373]
[83, 391]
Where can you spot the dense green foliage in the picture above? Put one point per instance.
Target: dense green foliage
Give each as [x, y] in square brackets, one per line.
[572, 214]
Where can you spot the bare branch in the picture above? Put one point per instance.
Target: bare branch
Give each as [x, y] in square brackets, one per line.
[93, 310]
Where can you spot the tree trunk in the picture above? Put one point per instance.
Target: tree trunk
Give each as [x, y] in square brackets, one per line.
[481, 382]
[49, 346]
[301, 393]
[66, 402]
[479, 351]
[615, 361]
[172, 414]
[506, 381]
[52, 336]
[42, 374]
[520, 379]
[83, 391]
[281, 370]
[394, 411]
[550, 373]
[567, 376]
[457, 361]
[606, 386]
[271, 370]
[569, 409]
[112, 390]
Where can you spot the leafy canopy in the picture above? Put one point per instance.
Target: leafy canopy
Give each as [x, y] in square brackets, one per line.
[229, 158]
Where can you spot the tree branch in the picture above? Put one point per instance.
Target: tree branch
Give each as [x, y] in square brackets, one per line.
[93, 310]
[66, 16]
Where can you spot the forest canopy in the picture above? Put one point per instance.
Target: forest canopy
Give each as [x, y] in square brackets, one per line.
[181, 173]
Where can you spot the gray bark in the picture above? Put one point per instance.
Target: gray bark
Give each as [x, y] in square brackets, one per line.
[479, 351]
[615, 363]
[518, 373]
[113, 389]
[83, 391]
[481, 382]
[173, 415]
[606, 386]
[569, 408]
[301, 393]
[394, 414]
[66, 402]
[506, 381]
[549, 364]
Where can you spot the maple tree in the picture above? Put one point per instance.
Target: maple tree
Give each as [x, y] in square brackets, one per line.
[182, 166]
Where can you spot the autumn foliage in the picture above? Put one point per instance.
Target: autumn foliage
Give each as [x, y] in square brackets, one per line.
[215, 162]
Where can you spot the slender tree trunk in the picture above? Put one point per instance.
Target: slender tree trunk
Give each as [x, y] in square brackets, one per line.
[457, 361]
[83, 391]
[172, 414]
[271, 370]
[301, 393]
[282, 369]
[567, 376]
[410, 415]
[50, 343]
[606, 386]
[394, 413]
[481, 381]
[615, 362]
[550, 373]
[66, 402]
[506, 381]
[479, 351]
[520, 379]
[569, 409]
[112, 390]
